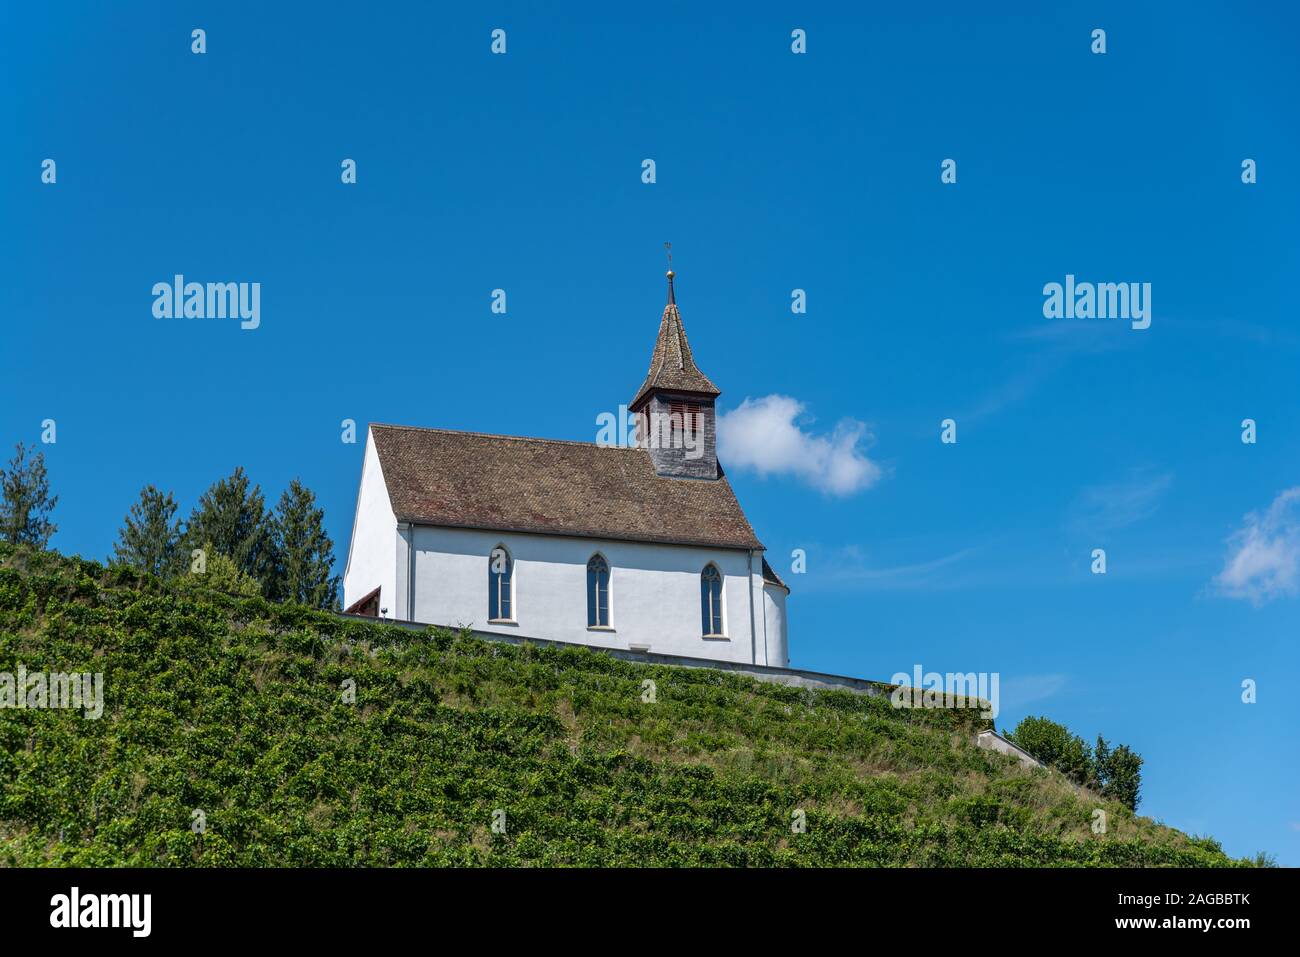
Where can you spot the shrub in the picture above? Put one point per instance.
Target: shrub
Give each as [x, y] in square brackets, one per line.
[220, 574]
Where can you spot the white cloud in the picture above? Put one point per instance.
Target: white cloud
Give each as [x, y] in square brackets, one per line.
[764, 435]
[1264, 554]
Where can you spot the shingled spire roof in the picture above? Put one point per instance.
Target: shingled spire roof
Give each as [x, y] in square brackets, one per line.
[672, 368]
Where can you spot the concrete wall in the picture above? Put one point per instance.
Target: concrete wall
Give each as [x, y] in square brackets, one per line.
[995, 742]
[372, 550]
[782, 676]
[654, 593]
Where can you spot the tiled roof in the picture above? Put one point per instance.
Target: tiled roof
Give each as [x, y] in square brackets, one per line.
[671, 365]
[472, 480]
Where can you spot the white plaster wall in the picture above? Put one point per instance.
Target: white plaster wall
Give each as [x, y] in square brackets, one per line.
[401, 606]
[654, 591]
[372, 551]
[778, 645]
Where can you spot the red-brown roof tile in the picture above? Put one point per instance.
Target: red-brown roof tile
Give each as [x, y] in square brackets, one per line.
[548, 486]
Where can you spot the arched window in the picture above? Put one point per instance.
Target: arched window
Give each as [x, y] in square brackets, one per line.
[501, 585]
[597, 592]
[711, 601]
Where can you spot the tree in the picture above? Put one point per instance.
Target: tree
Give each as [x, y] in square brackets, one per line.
[1119, 772]
[1053, 744]
[25, 502]
[231, 520]
[151, 537]
[1115, 773]
[304, 554]
[220, 573]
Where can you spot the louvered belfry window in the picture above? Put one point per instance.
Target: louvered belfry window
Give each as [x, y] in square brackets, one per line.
[686, 415]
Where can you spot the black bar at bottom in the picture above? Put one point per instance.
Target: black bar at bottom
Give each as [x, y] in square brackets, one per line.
[332, 907]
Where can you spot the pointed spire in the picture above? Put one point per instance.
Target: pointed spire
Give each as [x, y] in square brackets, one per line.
[672, 297]
[672, 367]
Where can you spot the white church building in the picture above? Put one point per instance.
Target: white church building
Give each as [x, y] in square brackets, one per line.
[642, 547]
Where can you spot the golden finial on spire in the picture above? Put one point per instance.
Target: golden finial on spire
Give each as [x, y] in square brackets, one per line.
[672, 298]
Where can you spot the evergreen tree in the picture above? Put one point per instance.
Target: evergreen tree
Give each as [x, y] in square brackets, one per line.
[231, 520]
[25, 502]
[304, 554]
[152, 536]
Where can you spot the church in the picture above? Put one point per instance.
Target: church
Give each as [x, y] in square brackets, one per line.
[642, 548]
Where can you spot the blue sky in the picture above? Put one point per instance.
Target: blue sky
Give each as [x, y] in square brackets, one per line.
[774, 171]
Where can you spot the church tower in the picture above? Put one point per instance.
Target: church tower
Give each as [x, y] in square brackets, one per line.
[675, 405]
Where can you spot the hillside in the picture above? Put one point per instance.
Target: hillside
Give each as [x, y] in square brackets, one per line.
[235, 707]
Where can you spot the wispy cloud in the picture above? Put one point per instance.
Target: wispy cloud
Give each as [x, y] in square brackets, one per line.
[1241, 329]
[1055, 346]
[768, 436]
[847, 568]
[1020, 691]
[1263, 560]
[1100, 509]
[1073, 338]
[1014, 389]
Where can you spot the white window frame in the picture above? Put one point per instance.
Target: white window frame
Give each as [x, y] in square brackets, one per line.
[609, 594]
[514, 574]
[721, 615]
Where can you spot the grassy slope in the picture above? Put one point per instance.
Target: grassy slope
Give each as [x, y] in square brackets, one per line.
[234, 707]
